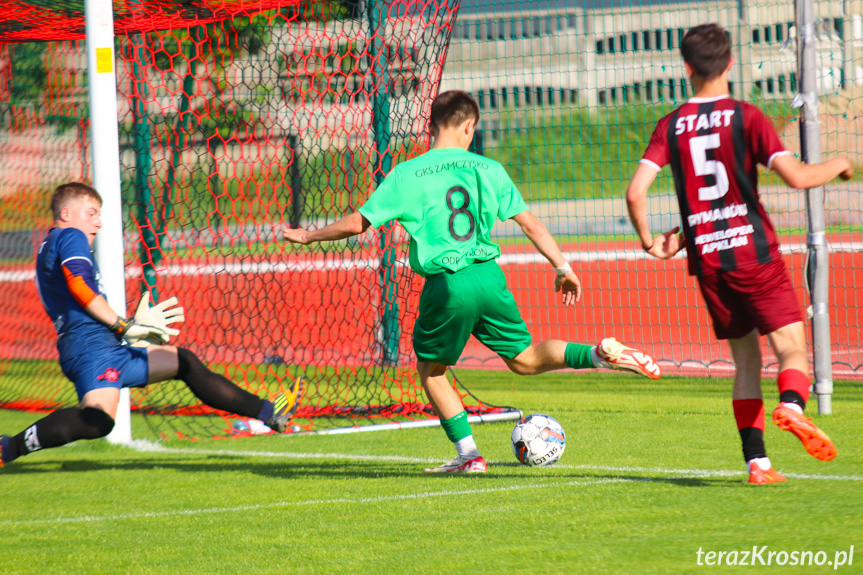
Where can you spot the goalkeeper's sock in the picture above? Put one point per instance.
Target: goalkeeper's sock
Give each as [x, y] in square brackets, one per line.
[58, 428]
[267, 411]
[579, 355]
[749, 414]
[216, 390]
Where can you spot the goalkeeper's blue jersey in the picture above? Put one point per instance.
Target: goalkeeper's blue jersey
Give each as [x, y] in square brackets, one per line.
[68, 280]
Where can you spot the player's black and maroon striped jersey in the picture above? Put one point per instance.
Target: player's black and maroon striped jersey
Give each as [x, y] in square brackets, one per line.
[714, 146]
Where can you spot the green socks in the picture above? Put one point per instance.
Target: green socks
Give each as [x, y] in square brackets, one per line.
[577, 356]
[456, 427]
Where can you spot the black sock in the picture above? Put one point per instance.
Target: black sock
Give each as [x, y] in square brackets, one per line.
[59, 428]
[789, 396]
[753, 443]
[215, 390]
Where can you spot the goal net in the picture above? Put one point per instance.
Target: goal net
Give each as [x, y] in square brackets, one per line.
[235, 121]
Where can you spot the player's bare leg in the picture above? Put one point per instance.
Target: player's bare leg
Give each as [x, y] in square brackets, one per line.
[556, 354]
[789, 345]
[749, 408]
[547, 356]
[447, 404]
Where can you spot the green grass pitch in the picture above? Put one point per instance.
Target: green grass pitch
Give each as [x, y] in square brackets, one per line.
[651, 474]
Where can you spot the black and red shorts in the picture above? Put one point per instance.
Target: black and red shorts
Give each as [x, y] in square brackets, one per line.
[756, 297]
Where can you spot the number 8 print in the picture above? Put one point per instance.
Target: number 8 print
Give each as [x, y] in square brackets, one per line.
[462, 210]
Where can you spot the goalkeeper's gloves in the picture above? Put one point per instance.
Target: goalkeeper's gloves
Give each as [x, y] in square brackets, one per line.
[150, 324]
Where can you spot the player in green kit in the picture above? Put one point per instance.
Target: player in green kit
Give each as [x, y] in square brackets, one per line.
[448, 199]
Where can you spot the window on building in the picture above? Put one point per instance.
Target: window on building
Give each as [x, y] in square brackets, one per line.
[669, 36]
[657, 34]
[793, 77]
[501, 30]
[537, 27]
[504, 97]
[680, 34]
[528, 96]
[756, 35]
[525, 28]
[601, 96]
[767, 35]
[612, 96]
[480, 99]
[837, 27]
[623, 42]
[781, 83]
[600, 47]
[611, 45]
[779, 32]
[492, 99]
[634, 46]
[645, 40]
[648, 90]
[769, 85]
[571, 21]
[513, 29]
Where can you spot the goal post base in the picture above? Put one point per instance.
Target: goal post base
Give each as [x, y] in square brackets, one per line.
[472, 419]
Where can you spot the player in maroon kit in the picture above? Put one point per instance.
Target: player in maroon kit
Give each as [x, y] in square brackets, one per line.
[713, 145]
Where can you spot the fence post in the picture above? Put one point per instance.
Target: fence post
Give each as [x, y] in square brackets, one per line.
[817, 269]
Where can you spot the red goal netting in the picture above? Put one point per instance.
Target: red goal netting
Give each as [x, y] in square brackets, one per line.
[236, 119]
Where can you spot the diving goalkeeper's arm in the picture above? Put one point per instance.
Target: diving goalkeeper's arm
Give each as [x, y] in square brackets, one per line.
[148, 323]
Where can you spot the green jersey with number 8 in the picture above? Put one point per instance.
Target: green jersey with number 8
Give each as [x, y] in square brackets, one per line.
[448, 200]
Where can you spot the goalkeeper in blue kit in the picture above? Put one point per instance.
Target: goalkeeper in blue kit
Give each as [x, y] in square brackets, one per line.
[92, 340]
[448, 199]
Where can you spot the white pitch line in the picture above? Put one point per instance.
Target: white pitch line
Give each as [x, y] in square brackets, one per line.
[148, 446]
[340, 500]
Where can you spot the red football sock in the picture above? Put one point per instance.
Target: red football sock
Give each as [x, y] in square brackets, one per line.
[795, 381]
[749, 413]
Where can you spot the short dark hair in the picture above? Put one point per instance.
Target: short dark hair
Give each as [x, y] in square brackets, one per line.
[451, 108]
[71, 191]
[707, 48]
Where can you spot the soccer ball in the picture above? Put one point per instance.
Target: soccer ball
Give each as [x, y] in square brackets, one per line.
[538, 440]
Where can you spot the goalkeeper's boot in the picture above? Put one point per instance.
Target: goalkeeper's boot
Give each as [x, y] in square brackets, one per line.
[469, 464]
[760, 476]
[814, 440]
[615, 355]
[285, 406]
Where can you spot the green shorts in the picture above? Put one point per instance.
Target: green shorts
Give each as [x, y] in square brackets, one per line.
[475, 301]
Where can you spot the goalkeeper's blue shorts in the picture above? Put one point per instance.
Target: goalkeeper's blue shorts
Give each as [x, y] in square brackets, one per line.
[118, 367]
